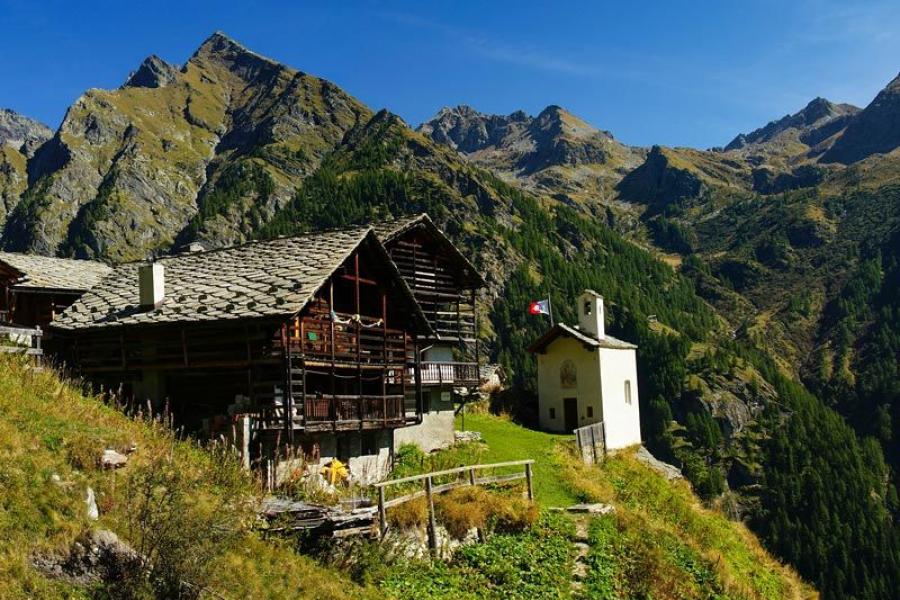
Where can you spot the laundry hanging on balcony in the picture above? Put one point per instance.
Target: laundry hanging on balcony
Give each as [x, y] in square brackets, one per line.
[355, 319]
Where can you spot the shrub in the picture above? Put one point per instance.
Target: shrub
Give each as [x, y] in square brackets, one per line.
[178, 526]
[463, 509]
[510, 514]
[466, 508]
[409, 515]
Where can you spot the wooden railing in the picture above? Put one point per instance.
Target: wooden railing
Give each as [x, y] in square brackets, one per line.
[470, 477]
[355, 409]
[344, 412]
[448, 373]
[349, 342]
[25, 340]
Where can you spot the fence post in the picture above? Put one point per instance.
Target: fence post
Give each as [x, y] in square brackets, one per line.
[432, 526]
[382, 516]
[528, 481]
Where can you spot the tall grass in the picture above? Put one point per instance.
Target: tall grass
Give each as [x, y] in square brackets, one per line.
[186, 509]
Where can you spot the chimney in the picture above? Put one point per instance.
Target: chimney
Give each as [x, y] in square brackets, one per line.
[152, 283]
[590, 314]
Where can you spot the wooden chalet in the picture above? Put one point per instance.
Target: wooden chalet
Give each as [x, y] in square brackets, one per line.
[311, 335]
[445, 285]
[37, 288]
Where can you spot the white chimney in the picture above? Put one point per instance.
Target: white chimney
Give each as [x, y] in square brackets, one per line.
[590, 314]
[152, 283]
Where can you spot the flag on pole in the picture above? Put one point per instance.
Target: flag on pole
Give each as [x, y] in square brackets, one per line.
[539, 307]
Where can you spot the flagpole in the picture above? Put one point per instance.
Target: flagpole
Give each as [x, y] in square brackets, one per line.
[550, 307]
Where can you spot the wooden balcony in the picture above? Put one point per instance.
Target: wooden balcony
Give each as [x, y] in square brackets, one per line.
[455, 374]
[341, 413]
[363, 342]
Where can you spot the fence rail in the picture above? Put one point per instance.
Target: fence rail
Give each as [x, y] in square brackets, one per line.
[431, 489]
[19, 335]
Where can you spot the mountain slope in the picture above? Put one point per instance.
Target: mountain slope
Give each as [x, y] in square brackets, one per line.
[19, 138]
[817, 122]
[554, 153]
[129, 169]
[874, 130]
[22, 133]
[51, 439]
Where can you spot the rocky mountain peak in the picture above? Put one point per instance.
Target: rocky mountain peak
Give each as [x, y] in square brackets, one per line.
[154, 72]
[222, 51]
[874, 130]
[21, 132]
[817, 113]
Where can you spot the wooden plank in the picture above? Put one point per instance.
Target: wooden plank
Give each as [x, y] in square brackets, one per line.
[512, 463]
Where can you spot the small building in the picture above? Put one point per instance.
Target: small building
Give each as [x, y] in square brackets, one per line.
[313, 339]
[37, 288]
[445, 285]
[586, 376]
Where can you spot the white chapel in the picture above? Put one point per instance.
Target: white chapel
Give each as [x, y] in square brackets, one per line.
[586, 376]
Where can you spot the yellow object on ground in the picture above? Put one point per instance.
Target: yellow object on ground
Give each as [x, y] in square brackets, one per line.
[335, 472]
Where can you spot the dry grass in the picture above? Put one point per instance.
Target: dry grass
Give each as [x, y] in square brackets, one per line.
[466, 508]
[650, 507]
[409, 515]
[50, 438]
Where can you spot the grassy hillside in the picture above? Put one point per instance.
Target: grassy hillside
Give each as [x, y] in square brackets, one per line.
[185, 507]
[189, 509]
[659, 543]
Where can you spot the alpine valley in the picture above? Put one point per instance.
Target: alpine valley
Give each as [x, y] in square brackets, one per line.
[761, 280]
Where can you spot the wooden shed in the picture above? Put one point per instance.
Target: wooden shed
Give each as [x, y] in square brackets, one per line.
[37, 288]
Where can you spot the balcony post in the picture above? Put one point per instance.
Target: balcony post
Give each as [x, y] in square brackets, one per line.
[420, 401]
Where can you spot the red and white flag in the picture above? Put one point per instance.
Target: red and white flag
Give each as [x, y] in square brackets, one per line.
[539, 307]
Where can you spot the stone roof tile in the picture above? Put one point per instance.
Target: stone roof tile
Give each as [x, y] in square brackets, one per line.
[272, 278]
[49, 273]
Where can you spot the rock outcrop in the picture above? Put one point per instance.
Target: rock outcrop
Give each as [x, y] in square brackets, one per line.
[875, 130]
[22, 133]
[154, 72]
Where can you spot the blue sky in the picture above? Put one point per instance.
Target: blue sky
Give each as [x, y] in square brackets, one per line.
[667, 72]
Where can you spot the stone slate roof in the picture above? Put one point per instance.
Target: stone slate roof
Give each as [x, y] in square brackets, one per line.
[47, 273]
[257, 279]
[589, 341]
[389, 230]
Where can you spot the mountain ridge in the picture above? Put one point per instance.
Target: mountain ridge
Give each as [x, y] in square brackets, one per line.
[554, 152]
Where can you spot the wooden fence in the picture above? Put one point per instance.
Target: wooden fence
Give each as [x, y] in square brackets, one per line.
[431, 489]
[26, 340]
[591, 443]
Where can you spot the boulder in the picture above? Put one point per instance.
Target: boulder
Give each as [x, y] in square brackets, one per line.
[670, 472]
[112, 459]
[96, 556]
[93, 513]
[596, 508]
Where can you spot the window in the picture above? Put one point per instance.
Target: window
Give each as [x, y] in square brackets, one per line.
[552, 413]
[627, 391]
[590, 412]
[587, 308]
